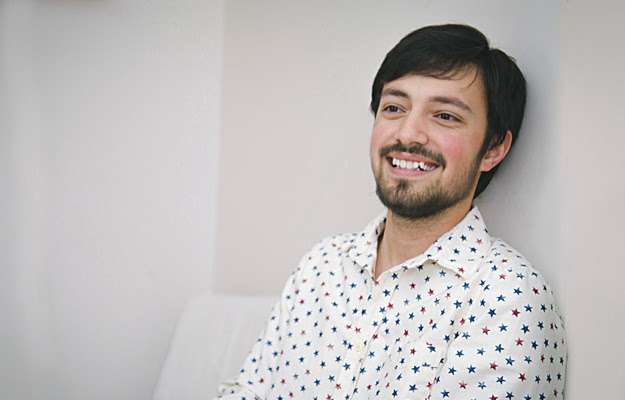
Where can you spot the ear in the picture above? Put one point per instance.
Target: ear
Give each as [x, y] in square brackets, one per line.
[494, 155]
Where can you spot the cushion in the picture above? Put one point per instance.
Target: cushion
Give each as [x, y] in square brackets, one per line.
[210, 343]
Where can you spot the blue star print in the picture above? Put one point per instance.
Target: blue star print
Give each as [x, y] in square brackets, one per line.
[469, 318]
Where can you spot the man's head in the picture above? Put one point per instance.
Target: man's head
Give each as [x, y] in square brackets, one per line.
[451, 52]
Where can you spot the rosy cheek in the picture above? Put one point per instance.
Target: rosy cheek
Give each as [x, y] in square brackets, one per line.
[377, 138]
[454, 150]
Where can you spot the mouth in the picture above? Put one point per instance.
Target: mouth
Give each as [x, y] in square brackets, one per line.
[411, 161]
[407, 165]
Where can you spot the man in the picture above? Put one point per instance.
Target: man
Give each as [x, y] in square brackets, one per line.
[423, 303]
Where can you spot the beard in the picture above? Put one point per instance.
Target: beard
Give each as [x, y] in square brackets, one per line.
[406, 200]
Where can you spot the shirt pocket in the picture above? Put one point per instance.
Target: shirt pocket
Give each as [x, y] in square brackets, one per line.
[415, 363]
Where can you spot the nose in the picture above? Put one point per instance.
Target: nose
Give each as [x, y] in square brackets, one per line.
[413, 129]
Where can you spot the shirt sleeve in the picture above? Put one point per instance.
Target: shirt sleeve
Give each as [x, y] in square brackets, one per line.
[257, 374]
[512, 345]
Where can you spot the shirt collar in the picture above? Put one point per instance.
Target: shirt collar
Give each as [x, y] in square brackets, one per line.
[460, 250]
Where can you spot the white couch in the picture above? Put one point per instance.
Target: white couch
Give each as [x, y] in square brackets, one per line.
[212, 339]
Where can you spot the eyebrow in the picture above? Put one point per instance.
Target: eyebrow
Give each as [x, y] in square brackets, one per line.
[450, 100]
[434, 99]
[395, 92]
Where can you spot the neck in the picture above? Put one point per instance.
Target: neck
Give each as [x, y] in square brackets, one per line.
[405, 238]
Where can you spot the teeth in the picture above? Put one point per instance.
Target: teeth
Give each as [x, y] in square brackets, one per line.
[410, 165]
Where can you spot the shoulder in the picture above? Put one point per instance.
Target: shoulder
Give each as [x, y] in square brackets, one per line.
[508, 279]
[330, 246]
[506, 266]
[324, 254]
[322, 260]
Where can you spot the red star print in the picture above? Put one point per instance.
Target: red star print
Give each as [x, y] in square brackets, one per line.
[341, 313]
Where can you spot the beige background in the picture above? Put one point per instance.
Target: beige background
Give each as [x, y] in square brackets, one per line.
[151, 150]
[108, 152]
[294, 155]
[294, 148]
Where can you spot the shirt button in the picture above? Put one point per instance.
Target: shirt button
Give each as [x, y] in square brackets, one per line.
[358, 347]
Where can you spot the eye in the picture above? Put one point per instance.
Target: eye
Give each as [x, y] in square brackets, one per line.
[392, 109]
[448, 117]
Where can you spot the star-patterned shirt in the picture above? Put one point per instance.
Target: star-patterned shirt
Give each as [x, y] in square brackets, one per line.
[470, 318]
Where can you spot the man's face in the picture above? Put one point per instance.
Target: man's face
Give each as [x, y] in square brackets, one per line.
[426, 141]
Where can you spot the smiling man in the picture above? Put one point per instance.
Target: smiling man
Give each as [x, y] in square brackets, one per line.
[424, 303]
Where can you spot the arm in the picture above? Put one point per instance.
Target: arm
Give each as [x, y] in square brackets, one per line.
[512, 346]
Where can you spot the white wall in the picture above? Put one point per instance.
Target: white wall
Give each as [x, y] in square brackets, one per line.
[591, 132]
[295, 139]
[109, 155]
[294, 152]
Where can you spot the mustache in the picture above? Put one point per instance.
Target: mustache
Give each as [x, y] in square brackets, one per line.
[414, 149]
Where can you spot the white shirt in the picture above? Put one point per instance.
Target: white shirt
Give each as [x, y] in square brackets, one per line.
[470, 318]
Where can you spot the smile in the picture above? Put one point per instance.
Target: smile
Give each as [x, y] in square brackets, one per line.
[411, 166]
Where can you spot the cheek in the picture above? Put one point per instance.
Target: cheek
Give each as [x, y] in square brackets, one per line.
[458, 152]
[381, 135]
[377, 141]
